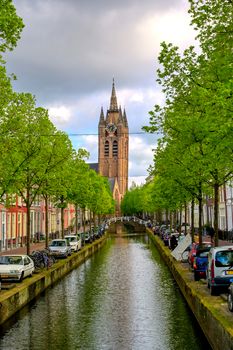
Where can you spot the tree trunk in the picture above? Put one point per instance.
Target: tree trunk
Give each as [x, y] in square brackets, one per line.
[216, 210]
[76, 219]
[192, 219]
[90, 222]
[84, 225]
[62, 217]
[83, 219]
[180, 219]
[28, 220]
[200, 217]
[185, 218]
[46, 221]
[166, 218]
[225, 201]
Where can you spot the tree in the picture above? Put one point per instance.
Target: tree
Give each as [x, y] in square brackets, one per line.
[198, 105]
[29, 153]
[11, 26]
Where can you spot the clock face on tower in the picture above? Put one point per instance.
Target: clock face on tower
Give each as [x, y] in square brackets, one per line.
[111, 128]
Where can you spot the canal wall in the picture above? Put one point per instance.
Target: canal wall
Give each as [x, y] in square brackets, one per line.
[211, 312]
[16, 298]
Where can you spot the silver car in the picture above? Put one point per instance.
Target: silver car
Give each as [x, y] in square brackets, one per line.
[60, 248]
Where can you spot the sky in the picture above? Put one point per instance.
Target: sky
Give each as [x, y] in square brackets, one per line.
[70, 51]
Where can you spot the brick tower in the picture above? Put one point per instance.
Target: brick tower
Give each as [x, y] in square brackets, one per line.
[113, 148]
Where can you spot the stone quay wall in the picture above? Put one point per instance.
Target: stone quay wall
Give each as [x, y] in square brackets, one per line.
[16, 298]
[211, 312]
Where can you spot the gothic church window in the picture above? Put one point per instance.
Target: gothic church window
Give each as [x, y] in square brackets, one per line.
[106, 149]
[115, 149]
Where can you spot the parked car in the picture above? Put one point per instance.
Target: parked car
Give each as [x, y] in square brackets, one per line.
[193, 250]
[74, 242]
[60, 248]
[230, 298]
[15, 267]
[88, 237]
[200, 263]
[220, 268]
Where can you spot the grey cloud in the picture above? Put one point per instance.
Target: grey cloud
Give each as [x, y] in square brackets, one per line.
[74, 47]
[71, 49]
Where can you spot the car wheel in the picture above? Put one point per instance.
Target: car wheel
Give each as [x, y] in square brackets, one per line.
[213, 290]
[230, 302]
[196, 276]
[21, 277]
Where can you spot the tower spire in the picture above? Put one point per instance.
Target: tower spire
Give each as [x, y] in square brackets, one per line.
[120, 119]
[113, 101]
[101, 120]
[125, 118]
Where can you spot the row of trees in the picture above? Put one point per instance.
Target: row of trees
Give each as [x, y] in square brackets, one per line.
[195, 152]
[36, 158]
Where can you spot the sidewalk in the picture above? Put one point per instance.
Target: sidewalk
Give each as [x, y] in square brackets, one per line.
[33, 246]
[23, 250]
[207, 239]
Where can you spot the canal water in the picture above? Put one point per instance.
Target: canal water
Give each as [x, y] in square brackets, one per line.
[123, 298]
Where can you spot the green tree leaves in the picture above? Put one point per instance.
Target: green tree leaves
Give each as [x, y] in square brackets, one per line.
[195, 150]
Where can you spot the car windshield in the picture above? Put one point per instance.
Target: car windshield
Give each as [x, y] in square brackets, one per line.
[203, 253]
[11, 260]
[224, 258]
[71, 239]
[58, 243]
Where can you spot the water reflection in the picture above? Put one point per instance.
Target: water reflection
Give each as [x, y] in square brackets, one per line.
[122, 298]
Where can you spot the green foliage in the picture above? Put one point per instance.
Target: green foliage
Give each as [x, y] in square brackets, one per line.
[195, 149]
[11, 26]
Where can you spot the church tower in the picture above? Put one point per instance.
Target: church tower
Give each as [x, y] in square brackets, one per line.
[114, 148]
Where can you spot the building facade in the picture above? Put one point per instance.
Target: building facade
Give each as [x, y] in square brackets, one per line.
[13, 221]
[113, 148]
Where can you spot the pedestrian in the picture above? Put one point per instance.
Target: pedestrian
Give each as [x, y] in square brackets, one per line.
[173, 242]
[211, 232]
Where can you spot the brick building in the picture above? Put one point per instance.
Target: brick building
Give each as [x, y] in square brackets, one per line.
[113, 148]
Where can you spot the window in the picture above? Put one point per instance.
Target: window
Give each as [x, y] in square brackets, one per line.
[106, 149]
[224, 258]
[115, 149]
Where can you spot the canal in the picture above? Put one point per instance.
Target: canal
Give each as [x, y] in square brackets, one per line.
[122, 298]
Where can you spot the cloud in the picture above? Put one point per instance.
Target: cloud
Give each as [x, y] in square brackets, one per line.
[140, 155]
[59, 115]
[138, 180]
[70, 51]
[73, 48]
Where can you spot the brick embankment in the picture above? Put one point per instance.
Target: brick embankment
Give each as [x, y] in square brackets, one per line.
[211, 312]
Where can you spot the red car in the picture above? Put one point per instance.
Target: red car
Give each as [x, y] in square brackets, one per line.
[194, 247]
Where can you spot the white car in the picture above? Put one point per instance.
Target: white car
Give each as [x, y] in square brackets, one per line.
[15, 267]
[74, 242]
[220, 268]
[60, 248]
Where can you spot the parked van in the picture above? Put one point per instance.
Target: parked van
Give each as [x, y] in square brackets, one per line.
[220, 268]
